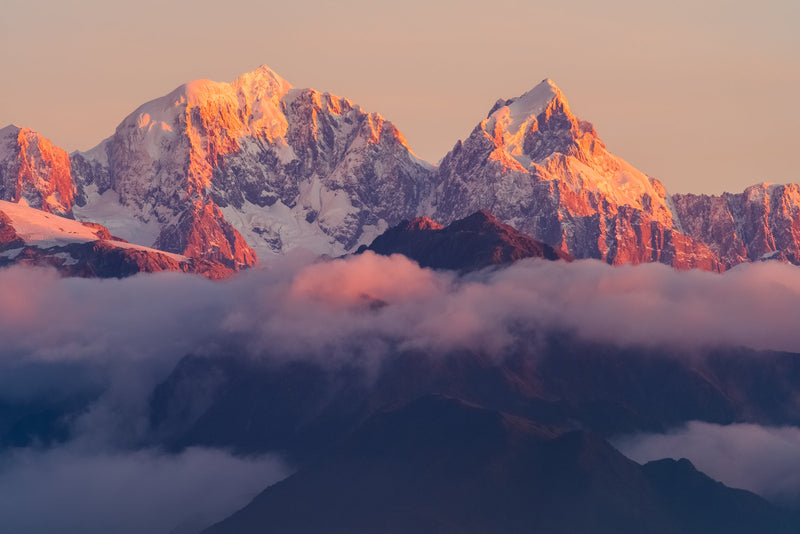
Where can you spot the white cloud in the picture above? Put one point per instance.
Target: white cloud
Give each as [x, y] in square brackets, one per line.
[765, 460]
[126, 335]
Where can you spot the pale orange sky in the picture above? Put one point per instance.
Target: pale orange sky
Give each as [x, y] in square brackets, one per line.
[703, 97]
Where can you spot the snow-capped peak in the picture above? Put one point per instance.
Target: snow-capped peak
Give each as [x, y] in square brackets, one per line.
[516, 112]
[258, 92]
[535, 101]
[264, 81]
[198, 92]
[287, 167]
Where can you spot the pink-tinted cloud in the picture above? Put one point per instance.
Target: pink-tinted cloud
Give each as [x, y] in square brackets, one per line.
[128, 334]
[752, 305]
[299, 308]
[124, 336]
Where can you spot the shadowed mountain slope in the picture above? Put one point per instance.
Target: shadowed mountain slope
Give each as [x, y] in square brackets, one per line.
[468, 244]
[438, 465]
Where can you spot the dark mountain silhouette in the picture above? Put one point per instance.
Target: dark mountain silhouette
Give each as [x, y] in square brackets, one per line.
[439, 465]
[468, 244]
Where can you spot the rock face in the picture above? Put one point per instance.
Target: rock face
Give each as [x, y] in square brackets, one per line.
[544, 171]
[468, 244]
[34, 172]
[282, 167]
[202, 232]
[32, 237]
[761, 223]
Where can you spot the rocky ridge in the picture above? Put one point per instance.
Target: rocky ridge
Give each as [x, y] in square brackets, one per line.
[471, 243]
[761, 223]
[32, 237]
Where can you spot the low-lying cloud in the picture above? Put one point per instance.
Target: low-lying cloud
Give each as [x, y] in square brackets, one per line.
[131, 332]
[119, 338]
[128, 334]
[300, 309]
[96, 492]
[391, 298]
[765, 460]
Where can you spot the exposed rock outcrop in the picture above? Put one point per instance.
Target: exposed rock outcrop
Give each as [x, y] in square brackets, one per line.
[761, 223]
[34, 172]
[474, 242]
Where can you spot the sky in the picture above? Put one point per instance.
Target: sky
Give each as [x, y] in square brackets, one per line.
[702, 95]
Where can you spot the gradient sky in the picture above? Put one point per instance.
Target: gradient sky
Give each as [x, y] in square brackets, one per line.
[702, 95]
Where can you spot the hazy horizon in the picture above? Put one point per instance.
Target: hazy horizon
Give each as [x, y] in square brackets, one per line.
[702, 97]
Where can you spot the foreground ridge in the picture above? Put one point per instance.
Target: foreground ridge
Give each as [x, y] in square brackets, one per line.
[441, 465]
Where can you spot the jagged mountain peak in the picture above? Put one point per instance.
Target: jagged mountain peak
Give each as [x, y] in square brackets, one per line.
[250, 103]
[259, 92]
[15, 132]
[534, 125]
[11, 128]
[546, 172]
[263, 82]
[34, 172]
[263, 76]
[286, 167]
[530, 104]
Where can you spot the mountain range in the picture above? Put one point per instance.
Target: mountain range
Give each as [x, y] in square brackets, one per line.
[233, 173]
[214, 178]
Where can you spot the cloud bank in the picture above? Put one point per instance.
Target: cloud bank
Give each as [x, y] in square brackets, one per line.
[126, 335]
[299, 308]
[373, 297]
[120, 338]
